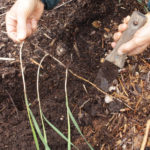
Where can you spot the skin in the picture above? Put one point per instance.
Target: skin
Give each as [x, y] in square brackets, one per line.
[139, 42]
[22, 19]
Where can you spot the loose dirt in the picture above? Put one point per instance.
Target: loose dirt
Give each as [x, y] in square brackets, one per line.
[78, 34]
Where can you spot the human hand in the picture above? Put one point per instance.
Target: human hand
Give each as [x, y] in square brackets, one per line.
[138, 43]
[22, 19]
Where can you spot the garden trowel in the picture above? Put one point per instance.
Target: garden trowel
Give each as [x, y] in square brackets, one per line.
[113, 62]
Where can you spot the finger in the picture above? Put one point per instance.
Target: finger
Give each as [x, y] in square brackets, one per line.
[21, 28]
[38, 11]
[13, 36]
[122, 27]
[11, 26]
[34, 25]
[137, 50]
[129, 46]
[126, 20]
[29, 29]
[117, 36]
[113, 44]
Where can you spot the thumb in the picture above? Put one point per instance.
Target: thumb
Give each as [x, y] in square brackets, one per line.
[21, 28]
[122, 49]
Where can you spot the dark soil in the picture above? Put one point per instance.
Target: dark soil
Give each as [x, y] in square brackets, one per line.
[79, 35]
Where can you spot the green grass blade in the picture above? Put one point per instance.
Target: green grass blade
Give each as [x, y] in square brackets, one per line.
[119, 1]
[71, 116]
[35, 138]
[69, 131]
[58, 132]
[78, 129]
[31, 124]
[140, 1]
[146, 9]
[38, 131]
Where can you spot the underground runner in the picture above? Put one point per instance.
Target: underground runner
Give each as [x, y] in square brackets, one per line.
[23, 17]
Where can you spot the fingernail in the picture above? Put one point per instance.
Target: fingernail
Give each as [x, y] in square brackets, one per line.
[21, 36]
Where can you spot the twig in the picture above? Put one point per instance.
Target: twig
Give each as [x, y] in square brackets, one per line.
[3, 32]
[145, 136]
[115, 94]
[148, 65]
[2, 14]
[63, 4]
[84, 103]
[3, 108]
[94, 85]
[102, 148]
[2, 8]
[13, 103]
[5, 59]
[36, 63]
[85, 88]
[47, 36]
[124, 103]
[148, 77]
[138, 102]
[76, 49]
[123, 88]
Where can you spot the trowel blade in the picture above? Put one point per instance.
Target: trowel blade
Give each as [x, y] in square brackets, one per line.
[106, 75]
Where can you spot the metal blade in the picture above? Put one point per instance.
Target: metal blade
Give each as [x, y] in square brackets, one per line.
[106, 75]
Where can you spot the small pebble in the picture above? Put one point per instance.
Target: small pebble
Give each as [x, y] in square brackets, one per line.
[60, 50]
[115, 82]
[102, 60]
[124, 146]
[112, 88]
[62, 118]
[137, 74]
[93, 32]
[108, 99]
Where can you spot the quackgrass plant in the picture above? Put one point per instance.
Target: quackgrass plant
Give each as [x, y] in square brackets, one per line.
[36, 131]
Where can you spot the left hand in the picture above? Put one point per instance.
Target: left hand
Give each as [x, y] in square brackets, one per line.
[22, 19]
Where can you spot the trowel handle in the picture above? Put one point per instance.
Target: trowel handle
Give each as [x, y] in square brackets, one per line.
[136, 21]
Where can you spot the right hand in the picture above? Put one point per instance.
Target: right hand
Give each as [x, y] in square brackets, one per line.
[22, 19]
[138, 43]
